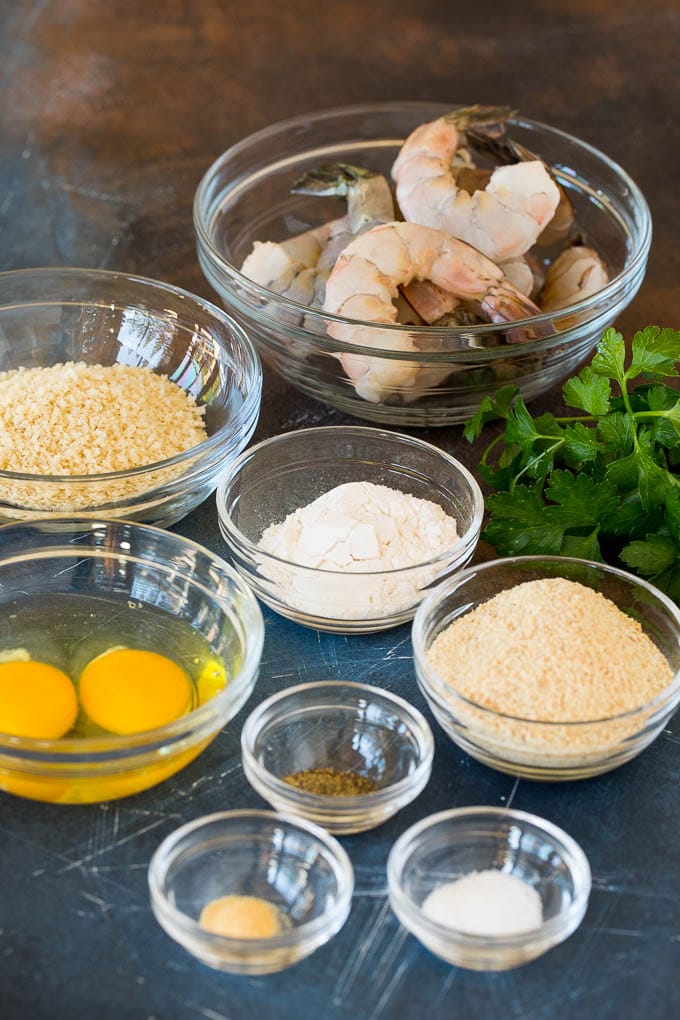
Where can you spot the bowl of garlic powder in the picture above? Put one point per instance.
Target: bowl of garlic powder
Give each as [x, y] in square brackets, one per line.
[345, 528]
[548, 667]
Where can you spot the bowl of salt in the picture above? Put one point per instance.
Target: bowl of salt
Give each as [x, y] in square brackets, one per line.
[488, 888]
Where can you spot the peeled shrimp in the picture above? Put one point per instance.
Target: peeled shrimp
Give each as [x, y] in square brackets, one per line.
[504, 151]
[575, 274]
[364, 284]
[298, 267]
[289, 267]
[502, 221]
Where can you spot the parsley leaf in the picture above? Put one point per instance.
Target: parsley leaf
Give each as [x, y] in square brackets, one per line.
[520, 524]
[588, 391]
[655, 352]
[604, 480]
[581, 500]
[610, 358]
[491, 408]
[652, 556]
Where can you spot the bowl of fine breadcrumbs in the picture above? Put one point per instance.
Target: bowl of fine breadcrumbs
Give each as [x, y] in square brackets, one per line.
[119, 396]
[549, 667]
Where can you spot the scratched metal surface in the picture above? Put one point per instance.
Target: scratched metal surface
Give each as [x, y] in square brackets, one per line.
[112, 112]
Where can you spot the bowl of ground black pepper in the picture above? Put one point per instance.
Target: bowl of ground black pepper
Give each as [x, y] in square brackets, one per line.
[345, 755]
[549, 667]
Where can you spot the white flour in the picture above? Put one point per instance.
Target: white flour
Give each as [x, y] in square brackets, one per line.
[359, 527]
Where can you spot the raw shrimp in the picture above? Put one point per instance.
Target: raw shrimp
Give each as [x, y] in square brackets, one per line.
[298, 267]
[504, 151]
[364, 284]
[575, 274]
[369, 202]
[289, 267]
[502, 221]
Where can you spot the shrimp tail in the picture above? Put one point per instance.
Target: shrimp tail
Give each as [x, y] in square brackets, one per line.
[502, 151]
[369, 199]
[503, 303]
[492, 117]
[331, 179]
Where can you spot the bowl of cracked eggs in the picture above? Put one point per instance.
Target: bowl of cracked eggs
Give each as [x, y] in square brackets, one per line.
[124, 651]
[401, 261]
[119, 396]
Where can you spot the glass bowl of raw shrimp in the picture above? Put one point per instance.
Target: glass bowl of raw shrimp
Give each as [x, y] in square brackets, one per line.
[384, 329]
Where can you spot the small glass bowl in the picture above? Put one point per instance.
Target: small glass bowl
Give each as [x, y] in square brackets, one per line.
[291, 863]
[432, 375]
[345, 726]
[272, 479]
[121, 583]
[559, 750]
[450, 844]
[51, 316]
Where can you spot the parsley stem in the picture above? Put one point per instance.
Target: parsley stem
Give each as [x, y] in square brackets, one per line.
[626, 402]
[582, 417]
[494, 442]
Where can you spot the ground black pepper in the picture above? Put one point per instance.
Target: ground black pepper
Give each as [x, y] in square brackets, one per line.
[330, 782]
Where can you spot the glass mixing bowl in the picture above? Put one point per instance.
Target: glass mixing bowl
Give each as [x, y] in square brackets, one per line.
[444, 847]
[69, 589]
[288, 862]
[51, 316]
[562, 749]
[345, 727]
[274, 478]
[245, 196]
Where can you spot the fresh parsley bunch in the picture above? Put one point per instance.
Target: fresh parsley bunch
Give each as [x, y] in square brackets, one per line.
[603, 483]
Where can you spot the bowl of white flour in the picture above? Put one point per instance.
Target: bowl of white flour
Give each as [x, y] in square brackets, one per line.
[346, 528]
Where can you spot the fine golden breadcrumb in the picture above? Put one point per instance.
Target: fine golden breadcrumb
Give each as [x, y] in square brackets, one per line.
[551, 650]
[77, 419]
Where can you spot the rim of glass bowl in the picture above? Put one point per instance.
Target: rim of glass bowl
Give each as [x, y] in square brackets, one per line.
[418, 725]
[244, 416]
[100, 747]
[331, 919]
[245, 544]
[579, 869]
[445, 694]
[203, 209]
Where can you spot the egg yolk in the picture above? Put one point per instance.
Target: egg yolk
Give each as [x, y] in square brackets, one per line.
[125, 690]
[211, 680]
[36, 700]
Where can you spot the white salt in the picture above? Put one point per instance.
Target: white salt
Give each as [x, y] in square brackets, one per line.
[486, 903]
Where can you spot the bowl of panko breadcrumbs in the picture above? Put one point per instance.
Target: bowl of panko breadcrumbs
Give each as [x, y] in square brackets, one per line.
[549, 667]
[119, 396]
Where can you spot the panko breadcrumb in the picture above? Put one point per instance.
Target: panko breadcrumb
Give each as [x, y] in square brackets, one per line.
[79, 419]
[75, 419]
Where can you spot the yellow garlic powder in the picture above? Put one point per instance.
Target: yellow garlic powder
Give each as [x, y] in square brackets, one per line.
[241, 917]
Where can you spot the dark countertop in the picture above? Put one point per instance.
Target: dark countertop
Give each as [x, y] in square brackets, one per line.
[113, 111]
